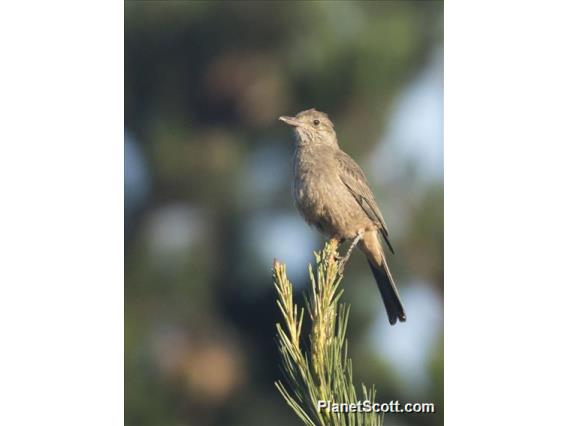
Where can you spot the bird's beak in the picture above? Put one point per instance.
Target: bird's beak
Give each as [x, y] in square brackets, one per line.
[290, 120]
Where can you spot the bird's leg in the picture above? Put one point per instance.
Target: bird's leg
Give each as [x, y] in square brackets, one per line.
[345, 258]
[353, 244]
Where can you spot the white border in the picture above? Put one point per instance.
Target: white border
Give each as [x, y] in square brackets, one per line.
[61, 235]
[506, 211]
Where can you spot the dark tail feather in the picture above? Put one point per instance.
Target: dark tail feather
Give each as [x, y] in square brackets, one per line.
[386, 238]
[393, 305]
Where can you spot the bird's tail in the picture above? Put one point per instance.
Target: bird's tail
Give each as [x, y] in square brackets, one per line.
[388, 290]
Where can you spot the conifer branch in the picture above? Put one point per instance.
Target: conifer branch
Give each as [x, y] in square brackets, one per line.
[318, 368]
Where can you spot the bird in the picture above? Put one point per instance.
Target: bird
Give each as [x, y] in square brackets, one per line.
[332, 193]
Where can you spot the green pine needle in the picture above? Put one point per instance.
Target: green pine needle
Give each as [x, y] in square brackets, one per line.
[322, 371]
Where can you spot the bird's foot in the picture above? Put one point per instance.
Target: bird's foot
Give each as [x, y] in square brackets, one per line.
[343, 259]
[335, 243]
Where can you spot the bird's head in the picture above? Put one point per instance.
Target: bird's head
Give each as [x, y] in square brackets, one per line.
[312, 127]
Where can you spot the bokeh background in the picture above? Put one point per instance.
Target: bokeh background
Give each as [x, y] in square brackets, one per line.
[208, 203]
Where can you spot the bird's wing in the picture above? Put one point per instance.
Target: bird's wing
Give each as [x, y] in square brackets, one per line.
[354, 179]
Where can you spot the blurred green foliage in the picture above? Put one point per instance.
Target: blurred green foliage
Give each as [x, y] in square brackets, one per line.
[204, 84]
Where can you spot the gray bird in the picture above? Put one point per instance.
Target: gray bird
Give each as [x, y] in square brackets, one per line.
[332, 193]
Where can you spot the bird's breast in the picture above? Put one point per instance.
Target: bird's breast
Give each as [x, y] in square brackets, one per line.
[323, 199]
[315, 186]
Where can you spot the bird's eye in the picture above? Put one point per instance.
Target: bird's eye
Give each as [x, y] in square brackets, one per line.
[316, 122]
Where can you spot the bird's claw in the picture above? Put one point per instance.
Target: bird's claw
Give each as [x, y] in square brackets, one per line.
[342, 260]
